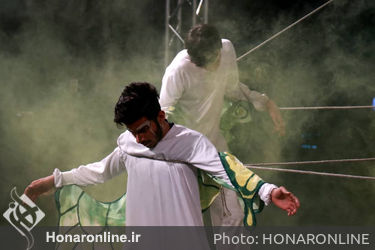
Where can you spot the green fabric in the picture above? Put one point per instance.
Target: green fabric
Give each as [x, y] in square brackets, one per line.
[234, 112]
[209, 189]
[247, 184]
[76, 208]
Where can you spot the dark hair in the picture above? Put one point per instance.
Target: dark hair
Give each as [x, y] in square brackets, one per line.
[201, 40]
[137, 100]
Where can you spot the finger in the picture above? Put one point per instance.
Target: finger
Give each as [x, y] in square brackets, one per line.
[292, 207]
[296, 201]
[291, 212]
[294, 211]
[288, 211]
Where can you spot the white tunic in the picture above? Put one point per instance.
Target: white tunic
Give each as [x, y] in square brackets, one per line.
[162, 187]
[199, 93]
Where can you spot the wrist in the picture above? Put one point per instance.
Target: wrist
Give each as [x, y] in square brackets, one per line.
[272, 194]
[50, 181]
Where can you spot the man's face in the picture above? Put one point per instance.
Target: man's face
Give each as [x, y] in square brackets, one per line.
[213, 59]
[146, 132]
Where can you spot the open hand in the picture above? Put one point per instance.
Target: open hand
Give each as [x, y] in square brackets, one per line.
[285, 200]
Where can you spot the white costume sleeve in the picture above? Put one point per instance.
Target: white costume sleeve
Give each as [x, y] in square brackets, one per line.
[265, 192]
[92, 173]
[205, 157]
[237, 90]
[172, 89]
[258, 100]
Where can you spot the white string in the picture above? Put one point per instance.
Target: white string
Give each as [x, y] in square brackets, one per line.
[280, 32]
[313, 173]
[311, 162]
[327, 107]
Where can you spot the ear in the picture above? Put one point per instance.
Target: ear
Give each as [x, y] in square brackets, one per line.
[161, 116]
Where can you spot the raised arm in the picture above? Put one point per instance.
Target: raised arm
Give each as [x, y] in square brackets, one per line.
[261, 102]
[239, 91]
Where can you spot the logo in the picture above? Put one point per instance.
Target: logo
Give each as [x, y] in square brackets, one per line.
[23, 214]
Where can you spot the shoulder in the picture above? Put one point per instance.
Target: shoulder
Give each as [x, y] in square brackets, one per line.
[182, 141]
[226, 42]
[124, 139]
[190, 146]
[184, 134]
[180, 61]
[190, 139]
[180, 72]
[227, 45]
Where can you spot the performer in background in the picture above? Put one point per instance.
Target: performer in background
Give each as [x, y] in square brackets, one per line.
[195, 83]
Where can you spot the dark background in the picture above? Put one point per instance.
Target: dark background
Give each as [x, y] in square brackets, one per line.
[64, 63]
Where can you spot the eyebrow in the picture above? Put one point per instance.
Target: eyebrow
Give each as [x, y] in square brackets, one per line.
[140, 127]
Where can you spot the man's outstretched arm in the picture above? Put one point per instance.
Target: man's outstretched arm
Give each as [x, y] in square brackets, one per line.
[275, 115]
[93, 173]
[285, 200]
